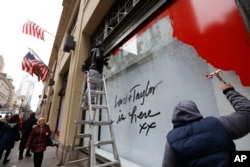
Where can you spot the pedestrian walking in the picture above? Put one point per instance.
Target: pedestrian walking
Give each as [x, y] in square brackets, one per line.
[37, 141]
[25, 131]
[8, 136]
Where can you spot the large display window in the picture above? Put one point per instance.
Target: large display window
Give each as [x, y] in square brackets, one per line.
[161, 64]
[149, 75]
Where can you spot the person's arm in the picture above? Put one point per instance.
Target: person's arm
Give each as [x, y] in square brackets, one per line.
[98, 54]
[106, 59]
[17, 137]
[3, 129]
[48, 131]
[169, 157]
[100, 57]
[238, 123]
[30, 138]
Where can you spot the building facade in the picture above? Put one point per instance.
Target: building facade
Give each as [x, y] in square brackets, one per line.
[7, 89]
[7, 92]
[160, 53]
[1, 63]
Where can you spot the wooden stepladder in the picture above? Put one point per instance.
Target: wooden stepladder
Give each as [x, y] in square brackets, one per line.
[97, 106]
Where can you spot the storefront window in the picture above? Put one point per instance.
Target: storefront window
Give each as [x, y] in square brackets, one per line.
[150, 73]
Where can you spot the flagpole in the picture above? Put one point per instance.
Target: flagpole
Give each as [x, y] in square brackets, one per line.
[50, 33]
[40, 59]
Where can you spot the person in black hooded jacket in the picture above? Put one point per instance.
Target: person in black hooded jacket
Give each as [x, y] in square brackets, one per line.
[98, 61]
[206, 142]
[26, 129]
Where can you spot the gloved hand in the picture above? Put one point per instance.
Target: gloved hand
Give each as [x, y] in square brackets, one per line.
[225, 87]
[108, 67]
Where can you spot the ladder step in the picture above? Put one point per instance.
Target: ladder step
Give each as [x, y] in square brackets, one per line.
[95, 106]
[81, 122]
[94, 80]
[82, 135]
[99, 143]
[108, 163]
[94, 123]
[78, 160]
[95, 92]
[79, 147]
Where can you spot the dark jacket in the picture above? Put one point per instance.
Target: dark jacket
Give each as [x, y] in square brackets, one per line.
[98, 60]
[8, 136]
[1, 125]
[37, 138]
[236, 124]
[27, 126]
[202, 143]
[26, 130]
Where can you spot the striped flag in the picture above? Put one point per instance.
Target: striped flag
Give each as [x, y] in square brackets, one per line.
[41, 71]
[33, 66]
[29, 62]
[31, 28]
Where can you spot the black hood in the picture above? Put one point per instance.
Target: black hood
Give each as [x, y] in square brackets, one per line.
[185, 111]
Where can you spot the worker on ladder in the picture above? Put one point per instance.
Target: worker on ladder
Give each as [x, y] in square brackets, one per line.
[94, 100]
[95, 69]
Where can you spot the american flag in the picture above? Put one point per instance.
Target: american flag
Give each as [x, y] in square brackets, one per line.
[33, 66]
[29, 62]
[41, 71]
[31, 28]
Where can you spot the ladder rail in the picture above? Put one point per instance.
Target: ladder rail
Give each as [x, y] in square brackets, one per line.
[80, 107]
[92, 146]
[79, 115]
[115, 150]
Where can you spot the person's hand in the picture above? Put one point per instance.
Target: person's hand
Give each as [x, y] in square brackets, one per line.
[225, 86]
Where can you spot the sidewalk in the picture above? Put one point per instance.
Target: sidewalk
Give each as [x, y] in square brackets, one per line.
[49, 159]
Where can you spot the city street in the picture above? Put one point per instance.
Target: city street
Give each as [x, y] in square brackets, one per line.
[49, 159]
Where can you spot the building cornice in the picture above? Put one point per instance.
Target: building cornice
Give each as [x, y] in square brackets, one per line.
[66, 15]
